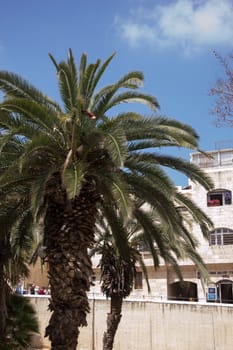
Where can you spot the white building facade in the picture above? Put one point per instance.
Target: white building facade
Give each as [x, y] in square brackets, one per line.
[216, 251]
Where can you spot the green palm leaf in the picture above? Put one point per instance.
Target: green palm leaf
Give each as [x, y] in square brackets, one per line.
[73, 177]
[14, 85]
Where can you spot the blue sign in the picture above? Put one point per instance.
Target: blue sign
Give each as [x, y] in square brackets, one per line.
[211, 293]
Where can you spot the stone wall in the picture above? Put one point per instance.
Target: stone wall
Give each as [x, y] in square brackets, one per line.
[151, 325]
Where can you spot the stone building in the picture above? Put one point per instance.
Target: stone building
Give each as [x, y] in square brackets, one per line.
[217, 251]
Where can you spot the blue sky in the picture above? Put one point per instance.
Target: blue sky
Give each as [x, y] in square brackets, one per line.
[171, 42]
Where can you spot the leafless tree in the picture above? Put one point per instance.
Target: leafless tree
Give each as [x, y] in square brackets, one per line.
[223, 90]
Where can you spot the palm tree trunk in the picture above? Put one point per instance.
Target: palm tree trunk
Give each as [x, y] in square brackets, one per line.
[4, 257]
[3, 308]
[70, 233]
[113, 320]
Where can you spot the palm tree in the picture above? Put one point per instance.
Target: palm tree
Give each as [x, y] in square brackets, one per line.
[5, 253]
[4, 257]
[21, 323]
[16, 243]
[119, 260]
[117, 270]
[82, 155]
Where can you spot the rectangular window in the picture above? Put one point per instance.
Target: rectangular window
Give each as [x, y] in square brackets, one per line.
[219, 239]
[138, 280]
[217, 198]
[214, 199]
[221, 236]
[212, 239]
[215, 239]
[226, 158]
[227, 239]
[227, 197]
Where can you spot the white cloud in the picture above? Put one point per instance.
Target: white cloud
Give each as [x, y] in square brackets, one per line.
[189, 25]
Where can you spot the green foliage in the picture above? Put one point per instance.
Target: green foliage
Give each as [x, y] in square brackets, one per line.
[118, 257]
[21, 323]
[120, 153]
[56, 158]
[119, 156]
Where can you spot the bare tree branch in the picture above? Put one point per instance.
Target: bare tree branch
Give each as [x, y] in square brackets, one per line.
[223, 90]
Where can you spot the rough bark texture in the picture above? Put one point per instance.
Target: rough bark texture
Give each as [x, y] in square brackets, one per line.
[3, 309]
[70, 232]
[113, 320]
[4, 256]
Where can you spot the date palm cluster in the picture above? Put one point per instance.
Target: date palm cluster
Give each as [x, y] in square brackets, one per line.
[82, 159]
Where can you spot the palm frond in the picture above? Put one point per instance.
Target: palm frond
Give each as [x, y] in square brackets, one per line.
[38, 190]
[22, 322]
[132, 80]
[23, 237]
[133, 97]
[118, 232]
[67, 80]
[196, 213]
[14, 85]
[140, 166]
[42, 147]
[101, 69]
[82, 70]
[116, 192]
[115, 144]
[30, 111]
[73, 177]
[192, 171]
[87, 81]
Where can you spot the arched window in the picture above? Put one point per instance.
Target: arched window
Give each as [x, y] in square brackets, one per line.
[221, 236]
[218, 197]
[225, 291]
